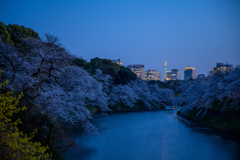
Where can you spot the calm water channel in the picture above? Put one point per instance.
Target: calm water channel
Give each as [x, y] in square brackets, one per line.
[151, 135]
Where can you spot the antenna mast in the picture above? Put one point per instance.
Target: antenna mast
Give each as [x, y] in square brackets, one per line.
[165, 69]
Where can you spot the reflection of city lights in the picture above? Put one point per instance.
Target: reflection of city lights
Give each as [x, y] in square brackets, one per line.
[176, 118]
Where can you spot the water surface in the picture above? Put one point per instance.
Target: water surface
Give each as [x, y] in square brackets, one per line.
[151, 135]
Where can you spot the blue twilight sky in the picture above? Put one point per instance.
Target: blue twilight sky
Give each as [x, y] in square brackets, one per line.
[189, 33]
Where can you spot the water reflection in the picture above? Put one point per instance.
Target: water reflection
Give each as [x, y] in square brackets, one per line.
[173, 107]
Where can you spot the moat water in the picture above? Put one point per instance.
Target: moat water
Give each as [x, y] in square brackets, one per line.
[151, 135]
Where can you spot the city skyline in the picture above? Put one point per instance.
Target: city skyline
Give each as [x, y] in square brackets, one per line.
[179, 70]
[191, 33]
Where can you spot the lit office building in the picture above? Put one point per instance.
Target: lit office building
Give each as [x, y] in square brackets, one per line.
[168, 75]
[152, 75]
[138, 70]
[175, 74]
[189, 73]
[221, 67]
[118, 61]
[229, 67]
[201, 76]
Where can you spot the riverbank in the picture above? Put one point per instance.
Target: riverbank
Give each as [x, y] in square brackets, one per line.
[135, 108]
[224, 123]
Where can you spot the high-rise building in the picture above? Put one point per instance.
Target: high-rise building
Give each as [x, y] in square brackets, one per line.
[168, 76]
[175, 74]
[152, 75]
[138, 69]
[189, 73]
[221, 67]
[118, 61]
[229, 67]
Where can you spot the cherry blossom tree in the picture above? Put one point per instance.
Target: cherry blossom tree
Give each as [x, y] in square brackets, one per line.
[50, 84]
[232, 89]
[122, 94]
[202, 93]
[139, 91]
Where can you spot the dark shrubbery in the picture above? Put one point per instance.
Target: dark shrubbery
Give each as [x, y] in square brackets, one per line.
[119, 74]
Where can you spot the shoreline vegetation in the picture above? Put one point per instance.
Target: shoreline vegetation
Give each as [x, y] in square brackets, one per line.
[213, 101]
[225, 124]
[127, 109]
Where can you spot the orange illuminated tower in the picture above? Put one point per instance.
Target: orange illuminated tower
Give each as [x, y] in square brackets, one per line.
[165, 69]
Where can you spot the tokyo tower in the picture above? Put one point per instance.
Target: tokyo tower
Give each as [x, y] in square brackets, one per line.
[165, 69]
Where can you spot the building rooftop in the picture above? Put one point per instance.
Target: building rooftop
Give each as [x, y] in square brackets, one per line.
[189, 68]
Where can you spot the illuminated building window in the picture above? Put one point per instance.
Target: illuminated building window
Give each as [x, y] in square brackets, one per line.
[152, 75]
[223, 68]
[138, 70]
[118, 61]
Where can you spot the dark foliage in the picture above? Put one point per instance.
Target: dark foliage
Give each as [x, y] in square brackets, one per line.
[14, 34]
[49, 133]
[120, 74]
[173, 84]
[124, 76]
[4, 35]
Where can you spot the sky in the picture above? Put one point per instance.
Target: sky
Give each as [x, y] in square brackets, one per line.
[188, 33]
